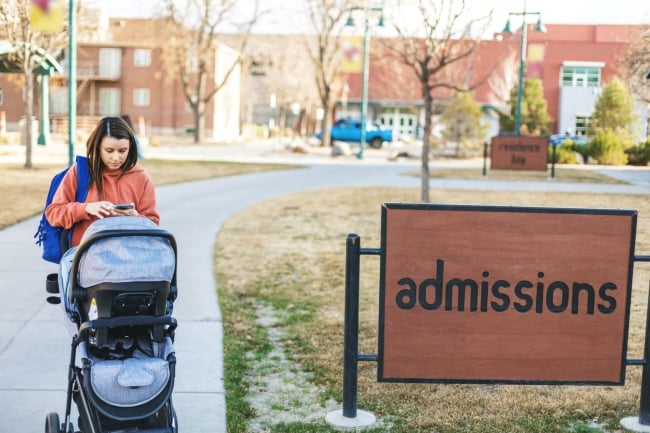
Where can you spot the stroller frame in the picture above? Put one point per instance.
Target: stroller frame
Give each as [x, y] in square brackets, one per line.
[95, 416]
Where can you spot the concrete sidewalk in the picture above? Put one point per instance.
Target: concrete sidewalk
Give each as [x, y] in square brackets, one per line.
[34, 345]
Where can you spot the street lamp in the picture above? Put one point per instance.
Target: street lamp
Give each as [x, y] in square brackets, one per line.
[366, 67]
[539, 27]
[72, 79]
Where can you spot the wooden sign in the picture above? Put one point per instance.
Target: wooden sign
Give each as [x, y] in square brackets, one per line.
[519, 153]
[496, 294]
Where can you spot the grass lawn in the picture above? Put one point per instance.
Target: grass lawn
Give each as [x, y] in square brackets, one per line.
[24, 191]
[282, 305]
[283, 311]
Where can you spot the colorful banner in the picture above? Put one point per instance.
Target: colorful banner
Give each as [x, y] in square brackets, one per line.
[46, 15]
[352, 49]
[535, 61]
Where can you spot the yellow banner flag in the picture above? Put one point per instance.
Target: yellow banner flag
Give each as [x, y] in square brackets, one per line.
[352, 49]
[46, 15]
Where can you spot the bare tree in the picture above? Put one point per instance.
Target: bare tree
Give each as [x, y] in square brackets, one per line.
[192, 46]
[503, 79]
[440, 54]
[30, 48]
[327, 18]
[636, 66]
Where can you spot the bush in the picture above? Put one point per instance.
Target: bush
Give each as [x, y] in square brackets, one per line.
[606, 147]
[567, 152]
[564, 153]
[640, 154]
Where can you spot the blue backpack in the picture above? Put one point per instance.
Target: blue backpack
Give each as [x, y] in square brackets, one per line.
[48, 236]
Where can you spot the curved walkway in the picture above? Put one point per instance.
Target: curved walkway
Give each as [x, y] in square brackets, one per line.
[34, 345]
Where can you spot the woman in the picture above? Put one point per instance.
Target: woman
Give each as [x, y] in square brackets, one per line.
[116, 179]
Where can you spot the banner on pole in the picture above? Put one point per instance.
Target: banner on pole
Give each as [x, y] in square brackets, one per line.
[46, 15]
[352, 49]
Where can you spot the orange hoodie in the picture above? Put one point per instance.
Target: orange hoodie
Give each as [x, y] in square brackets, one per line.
[134, 187]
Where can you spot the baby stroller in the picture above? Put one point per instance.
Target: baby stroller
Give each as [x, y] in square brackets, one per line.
[120, 295]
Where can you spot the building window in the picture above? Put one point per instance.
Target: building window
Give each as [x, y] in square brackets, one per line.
[580, 76]
[110, 62]
[1, 98]
[582, 125]
[109, 101]
[141, 97]
[142, 57]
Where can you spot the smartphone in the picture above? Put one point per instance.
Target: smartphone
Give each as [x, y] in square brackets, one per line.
[123, 206]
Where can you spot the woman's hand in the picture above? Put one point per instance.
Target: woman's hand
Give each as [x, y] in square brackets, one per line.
[116, 211]
[100, 209]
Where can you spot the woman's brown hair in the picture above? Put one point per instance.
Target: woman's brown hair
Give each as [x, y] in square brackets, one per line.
[114, 127]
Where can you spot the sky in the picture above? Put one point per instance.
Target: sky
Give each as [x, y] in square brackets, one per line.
[284, 15]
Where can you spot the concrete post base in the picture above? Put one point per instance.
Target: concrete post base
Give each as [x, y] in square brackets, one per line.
[632, 423]
[337, 420]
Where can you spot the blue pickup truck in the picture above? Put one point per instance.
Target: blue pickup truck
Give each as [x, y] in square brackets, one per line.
[350, 131]
[558, 139]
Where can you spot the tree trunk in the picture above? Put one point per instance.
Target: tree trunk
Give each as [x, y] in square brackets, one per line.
[426, 147]
[199, 121]
[199, 126]
[326, 127]
[29, 114]
[326, 122]
[199, 111]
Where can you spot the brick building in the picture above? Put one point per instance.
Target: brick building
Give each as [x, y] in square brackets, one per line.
[574, 62]
[121, 70]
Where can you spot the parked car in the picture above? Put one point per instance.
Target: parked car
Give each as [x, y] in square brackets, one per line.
[558, 139]
[350, 131]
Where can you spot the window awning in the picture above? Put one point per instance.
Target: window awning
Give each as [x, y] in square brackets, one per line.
[46, 64]
[583, 64]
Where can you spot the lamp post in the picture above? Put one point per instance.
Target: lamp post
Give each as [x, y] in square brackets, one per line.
[366, 65]
[72, 79]
[539, 27]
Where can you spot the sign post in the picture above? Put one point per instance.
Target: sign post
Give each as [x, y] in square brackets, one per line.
[498, 295]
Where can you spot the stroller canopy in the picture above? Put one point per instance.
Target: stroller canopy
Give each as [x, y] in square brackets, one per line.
[125, 258]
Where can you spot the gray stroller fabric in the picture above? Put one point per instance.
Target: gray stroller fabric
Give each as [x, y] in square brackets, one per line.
[133, 381]
[128, 258]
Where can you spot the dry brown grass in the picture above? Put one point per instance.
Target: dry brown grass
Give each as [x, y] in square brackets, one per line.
[298, 264]
[23, 191]
[562, 174]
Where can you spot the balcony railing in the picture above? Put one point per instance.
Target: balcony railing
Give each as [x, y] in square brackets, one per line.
[90, 70]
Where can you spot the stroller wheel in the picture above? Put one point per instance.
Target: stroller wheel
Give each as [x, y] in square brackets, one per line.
[52, 424]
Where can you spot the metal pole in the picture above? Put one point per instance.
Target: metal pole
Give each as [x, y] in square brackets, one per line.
[485, 155]
[520, 84]
[644, 404]
[45, 109]
[364, 80]
[553, 158]
[351, 326]
[72, 79]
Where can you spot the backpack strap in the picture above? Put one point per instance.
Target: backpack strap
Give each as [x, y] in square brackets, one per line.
[83, 178]
[83, 185]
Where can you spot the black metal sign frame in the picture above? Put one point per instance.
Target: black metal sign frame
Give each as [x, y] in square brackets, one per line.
[352, 278]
